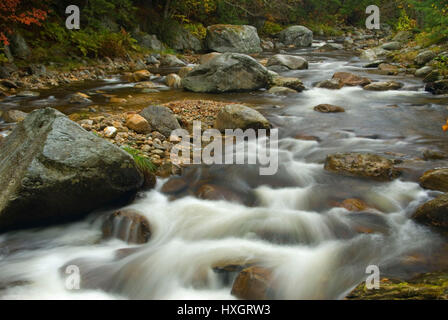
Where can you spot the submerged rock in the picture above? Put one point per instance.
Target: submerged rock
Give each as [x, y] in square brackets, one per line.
[362, 165]
[173, 81]
[328, 47]
[127, 225]
[350, 79]
[328, 108]
[227, 72]
[253, 283]
[281, 91]
[54, 171]
[233, 38]
[236, 116]
[141, 75]
[216, 192]
[333, 84]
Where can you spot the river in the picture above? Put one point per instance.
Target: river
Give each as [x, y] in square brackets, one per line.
[314, 249]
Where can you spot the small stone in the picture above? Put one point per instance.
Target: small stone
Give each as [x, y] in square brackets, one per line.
[141, 75]
[110, 132]
[138, 123]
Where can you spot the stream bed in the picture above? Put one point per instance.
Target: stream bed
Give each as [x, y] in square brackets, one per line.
[314, 249]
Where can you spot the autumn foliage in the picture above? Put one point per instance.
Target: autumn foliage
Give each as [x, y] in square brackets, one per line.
[13, 12]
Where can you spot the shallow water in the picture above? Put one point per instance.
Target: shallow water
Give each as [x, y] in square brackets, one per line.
[290, 224]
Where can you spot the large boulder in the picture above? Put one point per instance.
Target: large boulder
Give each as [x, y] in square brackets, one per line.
[291, 62]
[298, 36]
[436, 179]
[233, 38]
[161, 119]
[19, 47]
[424, 57]
[52, 170]
[434, 213]
[227, 72]
[362, 165]
[236, 116]
[437, 87]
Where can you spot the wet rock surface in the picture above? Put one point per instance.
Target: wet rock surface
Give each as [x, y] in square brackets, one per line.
[362, 165]
[55, 170]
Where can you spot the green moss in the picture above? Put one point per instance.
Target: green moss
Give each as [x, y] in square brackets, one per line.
[429, 286]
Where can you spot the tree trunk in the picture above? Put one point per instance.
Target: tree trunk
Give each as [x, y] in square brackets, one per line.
[167, 9]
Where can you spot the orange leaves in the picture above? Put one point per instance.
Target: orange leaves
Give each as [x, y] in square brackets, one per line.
[11, 13]
[3, 39]
[445, 126]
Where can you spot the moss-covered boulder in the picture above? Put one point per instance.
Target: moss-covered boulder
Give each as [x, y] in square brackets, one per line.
[429, 286]
[436, 179]
[233, 38]
[52, 170]
[364, 165]
[226, 73]
[434, 213]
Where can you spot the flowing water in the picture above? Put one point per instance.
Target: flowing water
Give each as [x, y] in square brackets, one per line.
[290, 225]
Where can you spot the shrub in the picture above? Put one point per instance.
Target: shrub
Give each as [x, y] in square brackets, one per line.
[271, 28]
[196, 29]
[143, 164]
[116, 44]
[405, 23]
